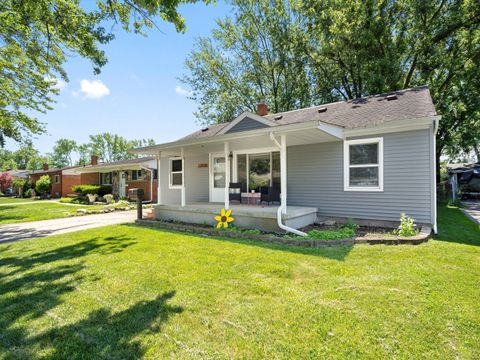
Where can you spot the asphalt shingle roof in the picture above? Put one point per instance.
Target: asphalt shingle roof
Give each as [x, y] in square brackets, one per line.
[368, 111]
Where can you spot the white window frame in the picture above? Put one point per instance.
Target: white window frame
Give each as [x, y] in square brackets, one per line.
[170, 186]
[347, 166]
[56, 179]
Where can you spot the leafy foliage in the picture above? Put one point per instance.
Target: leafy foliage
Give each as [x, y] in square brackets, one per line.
[43, 185]
[5, 181]
[37, 36]
[341, 233]
[407, 226]
[99, 190]
[63, 152]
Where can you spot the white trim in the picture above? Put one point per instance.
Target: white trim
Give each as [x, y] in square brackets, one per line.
[434, 180]
[226, 151]
[170, 186]
[347, 166]
[242, 116]
[56, 179]
[159, 182]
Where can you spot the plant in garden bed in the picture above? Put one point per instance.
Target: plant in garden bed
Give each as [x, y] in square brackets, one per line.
[43, 185]
[342, 233]
[407, 227]
[99, 190]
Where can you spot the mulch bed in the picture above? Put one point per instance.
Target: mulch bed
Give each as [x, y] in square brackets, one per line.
[365, 234]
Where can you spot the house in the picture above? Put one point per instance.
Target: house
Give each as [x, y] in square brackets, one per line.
[63, 179]
[18, 174]
[465, 177]
[123, 175]
[369, 159]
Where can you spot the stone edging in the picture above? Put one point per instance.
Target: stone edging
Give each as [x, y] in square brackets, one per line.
[421, 237]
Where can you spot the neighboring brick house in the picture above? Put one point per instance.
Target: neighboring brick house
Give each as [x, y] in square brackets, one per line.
[124, 175]
[65, 178]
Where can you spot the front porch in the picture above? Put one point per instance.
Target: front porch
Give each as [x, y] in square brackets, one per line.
[261, 217]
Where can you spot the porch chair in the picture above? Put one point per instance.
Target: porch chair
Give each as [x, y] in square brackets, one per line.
[269, 195]
[235, 192]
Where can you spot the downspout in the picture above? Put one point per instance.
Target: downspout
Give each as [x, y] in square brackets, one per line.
[282, 205]
[435, 130]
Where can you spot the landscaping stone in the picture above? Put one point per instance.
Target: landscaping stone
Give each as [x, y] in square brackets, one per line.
[81, 211]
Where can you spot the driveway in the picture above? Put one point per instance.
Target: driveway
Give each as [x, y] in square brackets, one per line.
[37, 229]
[472, 210]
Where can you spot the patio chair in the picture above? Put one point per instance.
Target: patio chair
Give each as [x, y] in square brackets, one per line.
[269, 195]
[235, 192]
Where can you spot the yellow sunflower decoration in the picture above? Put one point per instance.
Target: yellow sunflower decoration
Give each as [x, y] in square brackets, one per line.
[224, 218]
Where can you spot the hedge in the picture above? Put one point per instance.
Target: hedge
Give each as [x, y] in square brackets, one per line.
[100, 190]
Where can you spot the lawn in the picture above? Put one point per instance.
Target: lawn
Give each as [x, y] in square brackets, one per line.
[13, 200]
[126, 292]
[43, 210]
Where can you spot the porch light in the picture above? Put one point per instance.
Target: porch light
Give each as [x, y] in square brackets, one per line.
[230, 156]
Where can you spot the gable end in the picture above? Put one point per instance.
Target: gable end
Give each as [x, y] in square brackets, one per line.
[246, 124]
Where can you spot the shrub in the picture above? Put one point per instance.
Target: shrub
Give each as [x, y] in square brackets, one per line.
[342, 233]
[66, 200]
[351, 225]
[1, 194]
[100, 190]
[407, 226]
[43, 185]
[28, 193]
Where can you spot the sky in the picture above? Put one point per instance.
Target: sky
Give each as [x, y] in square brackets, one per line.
[138, 94]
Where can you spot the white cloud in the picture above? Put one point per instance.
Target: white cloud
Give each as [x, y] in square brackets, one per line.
[92, 89]
[182, 91]
[56, 83]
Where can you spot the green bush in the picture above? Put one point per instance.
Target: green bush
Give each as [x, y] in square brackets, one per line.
[100, 190]
[351, 225]
[21, 186]
[43, 185]
[407, 226]
[342, 233]
[1, 194]
[66, 200]
[28, 193]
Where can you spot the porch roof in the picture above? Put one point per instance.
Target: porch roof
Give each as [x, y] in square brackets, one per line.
[297, 134]
[130, 164]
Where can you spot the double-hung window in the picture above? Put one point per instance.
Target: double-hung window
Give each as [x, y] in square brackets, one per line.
[176, 173]
[136, 174]
[363, 165]
[106, 178]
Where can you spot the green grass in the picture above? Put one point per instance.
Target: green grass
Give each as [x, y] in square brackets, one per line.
[15, 213]
[13, 200]
[127, 292]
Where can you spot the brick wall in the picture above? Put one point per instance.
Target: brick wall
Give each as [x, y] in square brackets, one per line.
[56, 188]
[71, 180]
[145, 185]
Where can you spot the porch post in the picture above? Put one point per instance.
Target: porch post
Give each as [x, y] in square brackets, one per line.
[227, 175]
[159, 186]
[183, 177]
[283, 172]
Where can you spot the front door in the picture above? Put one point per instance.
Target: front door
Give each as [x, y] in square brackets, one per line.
[121, 184]
[217, 177]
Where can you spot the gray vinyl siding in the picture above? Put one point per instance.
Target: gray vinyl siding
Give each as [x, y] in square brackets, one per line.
[315, 178]
[196, 181]
[247, 124]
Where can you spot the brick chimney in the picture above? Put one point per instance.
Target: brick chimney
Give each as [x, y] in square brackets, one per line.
[45, 167]
[94, 160]
[262, 108]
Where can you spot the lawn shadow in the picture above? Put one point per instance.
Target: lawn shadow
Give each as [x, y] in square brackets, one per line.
[331, 252]
[32, 284]
[6, 218]
[107, 335]
[455, 226]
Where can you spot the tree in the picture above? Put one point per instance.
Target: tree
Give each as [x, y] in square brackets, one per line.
[63, 152]
[6, 160]
[43, 185]
[110, 147]
[5, 181]
[254, 55]
[36, 38]
[25, 154]
[37, 162]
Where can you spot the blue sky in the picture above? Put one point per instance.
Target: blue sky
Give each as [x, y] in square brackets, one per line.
[137, 95]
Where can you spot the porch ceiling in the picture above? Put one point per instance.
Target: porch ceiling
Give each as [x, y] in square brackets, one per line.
[106, 168]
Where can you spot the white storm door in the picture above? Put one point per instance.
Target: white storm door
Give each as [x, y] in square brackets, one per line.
[217, 177]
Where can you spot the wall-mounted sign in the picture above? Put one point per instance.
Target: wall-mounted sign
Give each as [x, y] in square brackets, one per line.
[202, 165]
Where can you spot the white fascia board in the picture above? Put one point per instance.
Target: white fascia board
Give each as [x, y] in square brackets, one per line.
[104, 169]
[394, 126]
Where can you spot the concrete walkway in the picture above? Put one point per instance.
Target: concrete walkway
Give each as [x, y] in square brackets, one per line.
[472, 210]
[37, 229]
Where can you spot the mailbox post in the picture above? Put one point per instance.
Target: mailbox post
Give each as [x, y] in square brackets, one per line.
[138, 195]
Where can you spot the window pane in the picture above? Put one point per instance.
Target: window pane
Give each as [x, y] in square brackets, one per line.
[177, 165]
[177, 179]
[259, 175]
[365, 176]
[276, 170]
[363, 154]
[219, 172]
